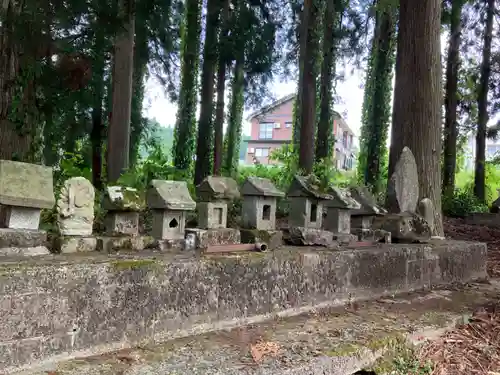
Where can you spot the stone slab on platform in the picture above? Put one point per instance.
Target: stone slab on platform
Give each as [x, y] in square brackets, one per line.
[302, 236]
[377, 235]
[273, 238]
[488, 219]
[23, 242]
[75, 244]
[133, 243]
[214, 237]
[69, 305]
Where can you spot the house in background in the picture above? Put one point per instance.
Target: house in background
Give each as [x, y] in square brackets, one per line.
[492, 149]
[271, 128]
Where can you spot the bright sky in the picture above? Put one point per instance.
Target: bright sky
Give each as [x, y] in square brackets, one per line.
[157, 105]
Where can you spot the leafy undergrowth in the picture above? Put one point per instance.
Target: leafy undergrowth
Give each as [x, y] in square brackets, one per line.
[472, 349]
[457, 229]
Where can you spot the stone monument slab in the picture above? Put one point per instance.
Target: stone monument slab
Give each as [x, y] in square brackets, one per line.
[76, 207]
[403, 184]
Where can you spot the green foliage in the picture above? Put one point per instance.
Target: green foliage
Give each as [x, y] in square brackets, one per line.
[462, 203]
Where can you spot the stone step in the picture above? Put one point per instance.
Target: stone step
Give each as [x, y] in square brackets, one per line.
[334, 341]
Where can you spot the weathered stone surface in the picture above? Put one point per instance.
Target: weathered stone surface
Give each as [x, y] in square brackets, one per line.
[367, 202]
[168, 245]
[135, 243]
[23, 242]
[306, 212]
[122, 223]
[301, 236]
[168, 224]
[26, 185]
[120, 198]
[259, 212]
[273, 238]
[21, 218]
[344, 238]
[169, 195]
[403, 184]
[214, 188]
[338, 220]
[307, 186]
[211, 237]
[342, 199]
[377, 235]
[427, 211]
[75, 244]
[262, 187]
[66, 305]
[76, 207]
[212, 215]
[404, 227]
[361, 222]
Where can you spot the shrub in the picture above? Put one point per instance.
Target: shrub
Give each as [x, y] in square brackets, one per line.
[462, 203]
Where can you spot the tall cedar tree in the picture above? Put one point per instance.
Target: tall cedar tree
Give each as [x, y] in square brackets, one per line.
[482, 105]
[221, 89]
[308, 51]
[123, 67]
[418, 98]
[451, 98]
[203, 165]
[185, 128]
[377, 108]
[325, 123]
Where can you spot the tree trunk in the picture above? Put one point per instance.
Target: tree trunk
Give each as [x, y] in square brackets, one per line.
[482, 106]
[123, 67]
[221, 88]
[451, 99]
[418, 98]
[325, 124]
[379, 110]
[185, 128]
[308, 90]
[203, 165]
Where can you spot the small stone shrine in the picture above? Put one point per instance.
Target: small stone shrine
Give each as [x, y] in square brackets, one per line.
[306, 213]
[170, 201]
[25, 189]
[260, 198]
[123, 205]
[404, 223]
[362, 217]
[338, 214]
[214, 194]
[75, 208]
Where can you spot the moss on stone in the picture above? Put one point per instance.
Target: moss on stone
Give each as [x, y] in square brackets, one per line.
[346, 349]
[130, 264]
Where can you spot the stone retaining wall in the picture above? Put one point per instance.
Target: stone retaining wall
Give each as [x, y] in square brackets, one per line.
[62, 307]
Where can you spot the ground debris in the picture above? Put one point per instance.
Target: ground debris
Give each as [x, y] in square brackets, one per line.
[472, 348]
[261, 349]
[457, 229]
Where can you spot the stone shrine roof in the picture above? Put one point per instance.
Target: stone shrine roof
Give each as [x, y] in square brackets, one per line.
[342, 199]
[170, 195]
[120, 198]
[216, 188]
[258, 186]
[26, 185]
[308, 187]
[369, 205]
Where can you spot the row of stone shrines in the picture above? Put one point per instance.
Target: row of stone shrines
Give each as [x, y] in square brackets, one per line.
[26, 189]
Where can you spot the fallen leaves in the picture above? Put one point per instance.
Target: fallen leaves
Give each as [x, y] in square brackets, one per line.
[261, 349]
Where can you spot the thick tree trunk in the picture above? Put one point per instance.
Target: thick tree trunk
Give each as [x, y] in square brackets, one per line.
[482, 106]
[325, 124]
[308, 90]
[185, 128]
[418, 97]
[379, 110]
[451, 99]
[123, 67]
[221, 89]
[203, 165]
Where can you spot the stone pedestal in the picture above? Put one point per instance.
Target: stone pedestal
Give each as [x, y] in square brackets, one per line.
[273, 238]
[300, 236]
[16, 217]
[168, 225]
[122, 223]
[114, 244]
[377, 235]
[23, 242]
[212, 237]
[361, 222]
[75, 244]
[212, 215]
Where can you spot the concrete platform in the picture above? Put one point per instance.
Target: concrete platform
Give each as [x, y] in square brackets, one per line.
[58, 307]
[488, 219]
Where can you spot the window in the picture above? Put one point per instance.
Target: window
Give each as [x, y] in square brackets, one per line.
[277, 125]
[288, 124]
[266, 130]
[314, 213]
[262, 152]
[251, 150]
[344, 139]
[266, 212]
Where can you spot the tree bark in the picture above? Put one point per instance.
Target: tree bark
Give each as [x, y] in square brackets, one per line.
[325, 124]
[418, 98]
[205, 124]
[451, 99]
[308, 91]
[482, 106]
[221, 88]
[123, 67]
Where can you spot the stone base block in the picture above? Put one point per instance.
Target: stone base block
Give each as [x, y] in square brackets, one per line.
[301, 236]
[344, 238]
[211, 237]
[75, 244]
[405, 227]
[273, 238]
[122, 223]
[15, 217]
[134, 243]
[23, 242]
[377, 235]
[168, 245]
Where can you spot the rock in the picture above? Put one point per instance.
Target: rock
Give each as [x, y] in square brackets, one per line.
[23, 242]
[213, 237]
[76, 207]
[377, 235]
[76, 244]
[273, 238]
[427, 211]
[119, 198]
[114, 244]
[406, 227]
[403, 185]
[301, 236]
